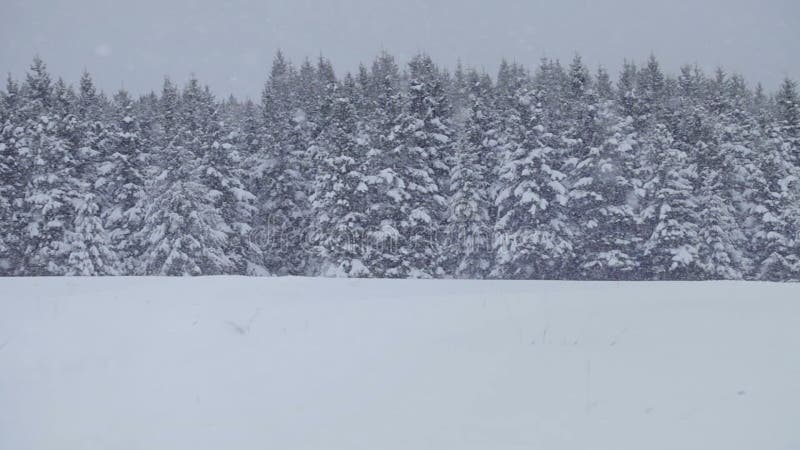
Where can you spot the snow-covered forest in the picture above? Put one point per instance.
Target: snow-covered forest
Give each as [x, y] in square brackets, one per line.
[552, 172]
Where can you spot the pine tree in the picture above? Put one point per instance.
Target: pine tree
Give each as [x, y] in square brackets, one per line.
[532, 239]
[11, 179]
[581, 138]
[326, 95]
[168, 114]
[183, 233]
[339, 201]
[383, 101]
[671, 250]
[649, 102]
[224, 178]
[122, 175]
[724, 172]
[787, 102]
[553, 84]
[38, 88]
[603, 86]
[45, 209]
[775, 216]
[602, 196]
[721, 239]
[87, 244]
[280, 191]
[626, 90]
[422, 140]
[88, 106]
[470, 225]
[306, 88]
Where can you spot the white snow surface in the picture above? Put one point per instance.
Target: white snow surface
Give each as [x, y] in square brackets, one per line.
[297, 363]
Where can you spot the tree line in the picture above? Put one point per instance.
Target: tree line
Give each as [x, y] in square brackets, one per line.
[554, 173]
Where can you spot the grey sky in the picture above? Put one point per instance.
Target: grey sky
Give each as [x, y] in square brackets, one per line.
[229, 44]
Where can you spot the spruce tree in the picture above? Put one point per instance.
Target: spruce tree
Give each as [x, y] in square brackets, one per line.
[123, 174]
[11, 177]
[725, 169]
[787, 102]
[339, 200]
[470, 225]
[183, 230]
[603, 196]
[422, 140]
[533, 239]
[775, 214]
[183, 233]
[671, 250]
[383, 101]
[281, 193]
[224, 177]
[46, 209]
[87, 242]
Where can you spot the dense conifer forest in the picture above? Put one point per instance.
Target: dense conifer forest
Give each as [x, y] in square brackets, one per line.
[552, 172]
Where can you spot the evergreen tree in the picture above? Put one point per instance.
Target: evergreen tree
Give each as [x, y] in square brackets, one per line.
[775, 213]
[339, 201]
[470, 225]
[649, 104]
[581, 139]
[671, 250]
[168, 114]
[11, 178]
[787, 103]
[224, 178]
[600, 166]
[603, 85]
[724, 172]
[533, 239]
[602, 197]
[123, 182]
[422, 140]
[626, 90]
[46, 209]
[38, 88]
[281, 192]
[383, 100]
[183, 233]
[721, 239]
[87, 244]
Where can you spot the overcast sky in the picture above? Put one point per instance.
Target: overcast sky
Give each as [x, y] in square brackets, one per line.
[229, 44]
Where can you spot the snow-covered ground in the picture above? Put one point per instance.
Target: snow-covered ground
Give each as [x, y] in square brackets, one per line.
[290, 363]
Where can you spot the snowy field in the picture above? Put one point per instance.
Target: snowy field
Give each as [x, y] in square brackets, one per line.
[248, 363]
